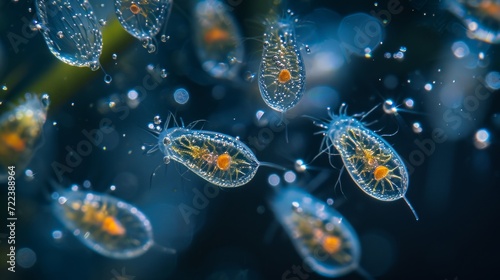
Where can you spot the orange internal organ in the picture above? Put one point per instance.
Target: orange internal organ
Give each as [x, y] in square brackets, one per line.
[380, 172]
[284, 76]
[332, 244]
[13, 140]
[135, 9]
[112, 226]
[216, 35]
[224, 161]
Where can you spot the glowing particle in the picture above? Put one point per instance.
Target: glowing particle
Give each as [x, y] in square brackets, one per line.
[20, 128]
[460, 49]
[181, 96]
[482, 139]
[390, 107]
[108, 226]
[428, 87]
[282, 71]
[322, 236]
[218, 39]
[417, 127]
[273, 180]
[409, 103]
[290, 177]
[71, 31]
[218, 158]
[300, 166]
[143, 19]
[492, 80]
[371, 162]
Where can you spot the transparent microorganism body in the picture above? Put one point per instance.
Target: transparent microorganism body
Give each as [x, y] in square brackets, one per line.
[143, 19]
[322, 236]
[218, 39]
[371, 162]
[107, 225]
[218, 158]
[71, 31]
[480, 17]
[20, 127]
[282, 71]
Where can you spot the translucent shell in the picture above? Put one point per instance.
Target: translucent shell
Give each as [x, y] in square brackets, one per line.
[370, 161]
[218, 158]
[282, 71]
[143, 19]
[20, 128]
[71, 31]
[218, 39]
[108, 226]
[321, 235]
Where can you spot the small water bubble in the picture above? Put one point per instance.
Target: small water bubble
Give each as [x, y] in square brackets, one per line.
[428, 87]
[273, 180]
[164, 38]
[4, 87]
[60, 34]
[151, 48]
[402, 49]
[308, 50]
[290, 176]
[108, 79]
[181, 96]
[157, 120]
[102, 22]
[409, 103]
[482, 139]
[45, 100]
[29, 10]
[163, 73]
[417, 127]
[114, 56]
[300, 165]
[390, 107]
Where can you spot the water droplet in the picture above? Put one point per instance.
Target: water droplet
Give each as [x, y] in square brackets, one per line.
[163, 73]
[108, 79]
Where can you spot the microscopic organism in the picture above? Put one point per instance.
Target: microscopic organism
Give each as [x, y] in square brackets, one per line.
[143, 19]
[71, 32]
[218, 39]
[322, 236]
[109, 226]
[282, 72]
[20, 128]
[218, 158]
[372, 162]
